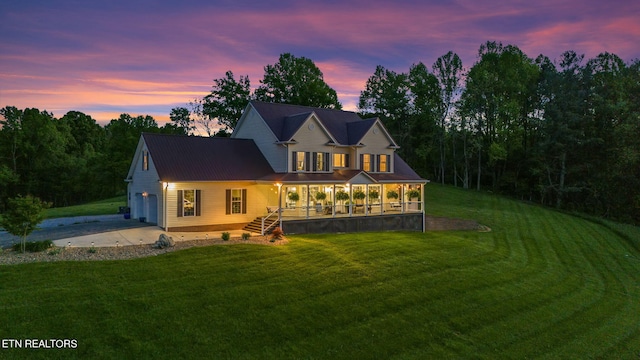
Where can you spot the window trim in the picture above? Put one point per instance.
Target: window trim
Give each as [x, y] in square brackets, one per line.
[197, 206]
[229, 201]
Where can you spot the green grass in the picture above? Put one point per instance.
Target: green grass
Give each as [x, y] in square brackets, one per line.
[102, 207]
[541, 284]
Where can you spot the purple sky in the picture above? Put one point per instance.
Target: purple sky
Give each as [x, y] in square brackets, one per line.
[146, 57]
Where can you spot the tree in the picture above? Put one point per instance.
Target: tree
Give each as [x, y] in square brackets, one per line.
[424, 99]
[122, 138]
[227, 100]
[386, 96]
[500, 97]
[181, 120]
[22, 216]
[200, 118]
[296, 80]
[448, 70]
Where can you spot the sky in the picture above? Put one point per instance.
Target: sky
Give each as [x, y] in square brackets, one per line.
[145, 57]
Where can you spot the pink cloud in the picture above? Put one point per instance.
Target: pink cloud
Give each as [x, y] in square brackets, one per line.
[159, 59]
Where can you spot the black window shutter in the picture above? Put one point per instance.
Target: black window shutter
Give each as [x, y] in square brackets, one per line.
[325, 163]
[180, 203]
[244, 201]
[346, 160]
[388, 163]
[294, 161]
[314, 157]
[361, 161]
[378, 162]
[198, 202]
[228, 202]
[307, 160]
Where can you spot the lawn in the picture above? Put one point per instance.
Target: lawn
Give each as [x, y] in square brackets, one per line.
[541, 284]
[102, 207]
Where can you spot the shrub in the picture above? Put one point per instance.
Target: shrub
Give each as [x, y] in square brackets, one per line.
[246, 236]
[358, 195]
[34, 246]
[321, 196]
[226, 236]
[374, 194]
[55, 251]
[92, 250]
[276, 234]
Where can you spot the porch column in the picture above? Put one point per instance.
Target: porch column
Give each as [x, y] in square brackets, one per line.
[366, 200]
[280, 204]
[333, 201]
[308, 197]
[402, 198]
[350, 200]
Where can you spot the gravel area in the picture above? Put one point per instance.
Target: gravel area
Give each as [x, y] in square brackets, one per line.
[9, 257]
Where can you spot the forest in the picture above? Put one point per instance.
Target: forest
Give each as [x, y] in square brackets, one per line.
[561, 132]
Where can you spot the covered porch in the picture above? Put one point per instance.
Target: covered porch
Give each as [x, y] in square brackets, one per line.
[341, 196]
[306, 201]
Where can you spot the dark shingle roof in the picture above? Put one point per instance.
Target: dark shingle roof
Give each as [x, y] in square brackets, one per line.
[284, 119]
[193, 158]
[402, 172]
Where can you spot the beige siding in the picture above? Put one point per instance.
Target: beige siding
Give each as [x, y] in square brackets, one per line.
[376, 143]
[253, 127]
[213, 203]
[310, 137]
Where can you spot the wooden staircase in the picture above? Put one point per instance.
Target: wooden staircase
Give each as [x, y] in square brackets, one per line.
[255, 226]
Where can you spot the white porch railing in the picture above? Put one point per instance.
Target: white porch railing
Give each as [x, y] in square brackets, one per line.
[273, 211]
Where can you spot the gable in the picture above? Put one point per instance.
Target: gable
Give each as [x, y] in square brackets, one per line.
[311, 133]
[377, 135]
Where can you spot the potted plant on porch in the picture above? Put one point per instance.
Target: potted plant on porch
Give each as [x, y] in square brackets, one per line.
[293, 198]
[342, 195]
[320, 196]
[358, 196]
[413, 194]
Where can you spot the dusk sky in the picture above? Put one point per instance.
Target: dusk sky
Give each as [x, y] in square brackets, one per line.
[145, 57]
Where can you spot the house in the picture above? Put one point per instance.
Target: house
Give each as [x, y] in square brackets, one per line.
[302, 168]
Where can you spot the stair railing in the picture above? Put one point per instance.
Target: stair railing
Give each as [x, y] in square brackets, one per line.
[263, 229]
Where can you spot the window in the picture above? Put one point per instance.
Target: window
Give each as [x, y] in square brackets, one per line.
[300, 160]
[341, 160]
[309, 161]
[383, 163]
[145, 160]
[189, 202]
[236, 201]
[365, 162]
[321, 161]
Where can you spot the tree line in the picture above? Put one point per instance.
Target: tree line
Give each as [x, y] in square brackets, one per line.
[562, 132]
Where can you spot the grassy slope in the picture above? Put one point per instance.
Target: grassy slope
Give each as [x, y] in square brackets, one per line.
[540, 284]
[102, 207]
